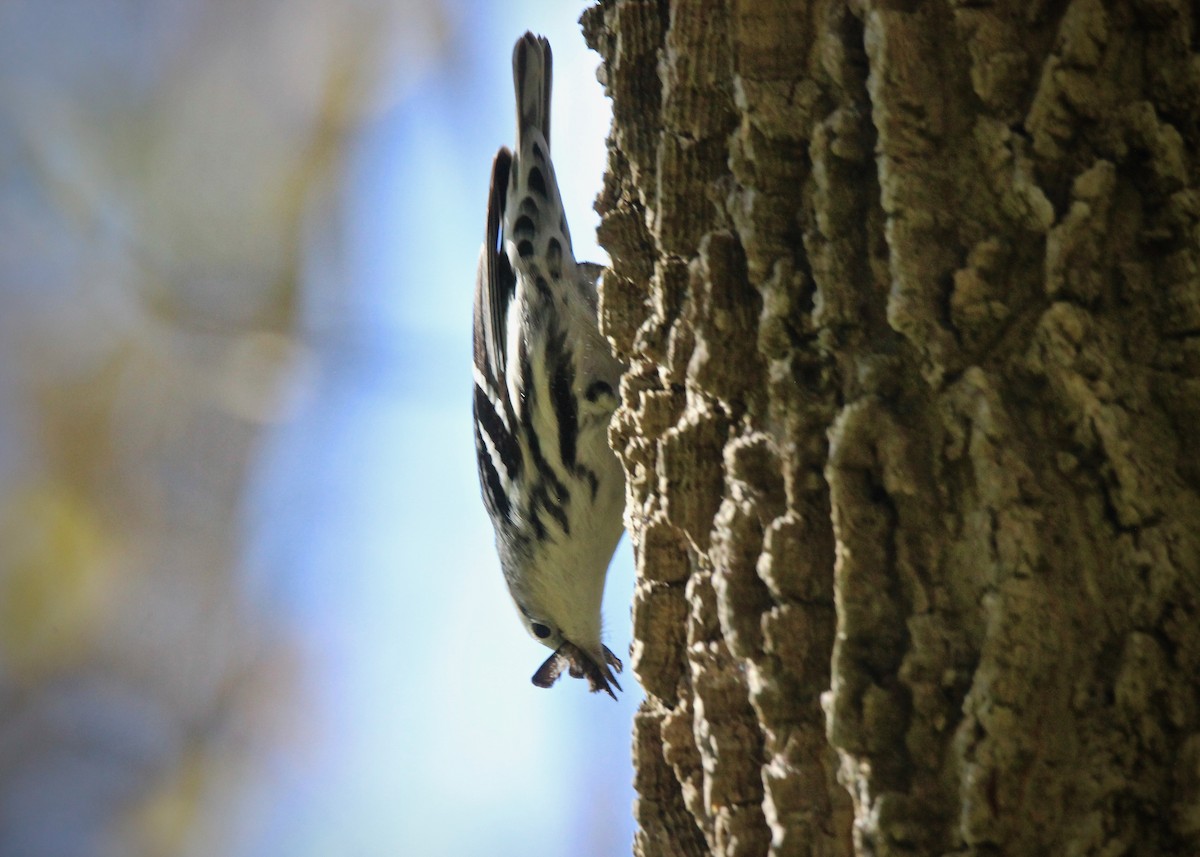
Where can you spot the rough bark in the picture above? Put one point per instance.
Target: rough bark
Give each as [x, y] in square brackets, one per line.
[912, 301]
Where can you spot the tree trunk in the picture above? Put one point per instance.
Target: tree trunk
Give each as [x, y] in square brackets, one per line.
[910, 293]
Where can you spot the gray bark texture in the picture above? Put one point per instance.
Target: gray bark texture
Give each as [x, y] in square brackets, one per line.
[910, 293]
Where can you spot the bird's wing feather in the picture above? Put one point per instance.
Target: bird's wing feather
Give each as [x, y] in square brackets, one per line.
[495, 284]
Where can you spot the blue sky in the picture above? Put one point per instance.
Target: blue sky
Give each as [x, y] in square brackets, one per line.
[366, 529]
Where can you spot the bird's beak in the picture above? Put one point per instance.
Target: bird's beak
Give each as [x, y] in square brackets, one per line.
[581, 664]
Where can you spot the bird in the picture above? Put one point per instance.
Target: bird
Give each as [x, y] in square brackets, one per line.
[546, 386]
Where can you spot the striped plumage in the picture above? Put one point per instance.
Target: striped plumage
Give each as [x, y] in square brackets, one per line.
[545, 389]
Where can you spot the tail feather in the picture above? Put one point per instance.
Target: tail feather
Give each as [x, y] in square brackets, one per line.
[532, 74]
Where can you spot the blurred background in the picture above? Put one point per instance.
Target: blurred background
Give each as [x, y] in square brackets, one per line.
[249, 603]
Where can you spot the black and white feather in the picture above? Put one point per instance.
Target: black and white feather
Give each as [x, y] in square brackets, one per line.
[545, 389]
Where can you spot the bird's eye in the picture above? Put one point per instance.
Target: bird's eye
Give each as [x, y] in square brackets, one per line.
[540, 630]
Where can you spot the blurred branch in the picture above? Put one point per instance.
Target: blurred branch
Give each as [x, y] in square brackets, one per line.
[169, 167]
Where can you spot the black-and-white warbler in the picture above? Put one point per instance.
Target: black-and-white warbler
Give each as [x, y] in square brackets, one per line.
[545, 389]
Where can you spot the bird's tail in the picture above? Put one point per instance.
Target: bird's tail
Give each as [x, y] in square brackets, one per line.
[531, 77]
